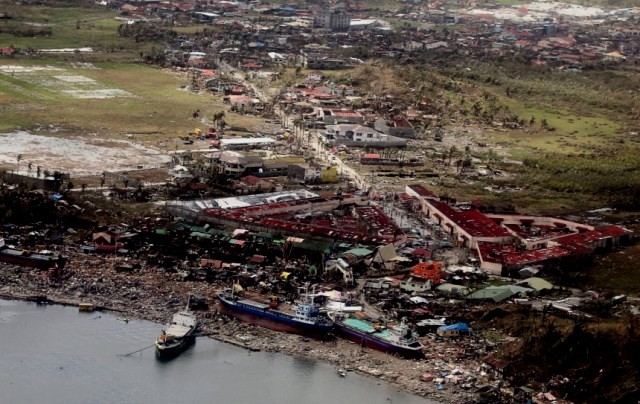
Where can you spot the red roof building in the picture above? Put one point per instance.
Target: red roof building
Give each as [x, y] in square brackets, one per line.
[431, 271]
[540, 240]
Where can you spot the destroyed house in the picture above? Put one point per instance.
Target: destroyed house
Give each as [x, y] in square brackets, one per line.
[396, 126]
[274, 217]
[431, 271]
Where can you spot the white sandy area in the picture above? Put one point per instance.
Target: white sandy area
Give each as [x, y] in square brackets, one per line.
[573, 10]
[75, 79]
[89, 155]
[100, 93]
[66, 50]
[71, 85]
[10, 69]
[538, 11]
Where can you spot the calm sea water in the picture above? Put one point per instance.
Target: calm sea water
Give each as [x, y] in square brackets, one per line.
[54, 354]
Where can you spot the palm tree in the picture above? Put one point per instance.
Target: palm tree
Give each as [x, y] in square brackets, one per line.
[18, 158]
[218, 119]
[453, 150]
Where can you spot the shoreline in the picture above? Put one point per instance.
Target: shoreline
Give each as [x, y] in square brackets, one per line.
[151, 295]
[313, 349]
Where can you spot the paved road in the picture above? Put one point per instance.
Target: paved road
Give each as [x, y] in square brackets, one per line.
[322, 153]
[239, 75]
[316, 147]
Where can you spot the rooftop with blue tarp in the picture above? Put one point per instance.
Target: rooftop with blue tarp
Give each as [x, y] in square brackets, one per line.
[461, 327]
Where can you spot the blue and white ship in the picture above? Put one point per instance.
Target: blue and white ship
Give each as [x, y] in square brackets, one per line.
[305, 319]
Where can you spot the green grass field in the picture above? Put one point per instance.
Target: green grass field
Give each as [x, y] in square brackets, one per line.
[563, 113]
[69, 24]
[156, 102]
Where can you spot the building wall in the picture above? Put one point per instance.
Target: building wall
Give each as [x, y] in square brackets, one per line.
[457, 233]
[312, 175]
[340, 22]
[326, 64]
[329, 175]
[40, 183]
[540, 221]
[382, 126]
[332, 19]
[402, 132]
[374, 145]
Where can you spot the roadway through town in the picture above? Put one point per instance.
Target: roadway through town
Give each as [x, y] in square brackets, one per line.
[312, 138]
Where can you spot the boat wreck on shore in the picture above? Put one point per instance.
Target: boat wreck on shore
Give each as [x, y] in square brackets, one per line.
[305, 319]
[178, 336]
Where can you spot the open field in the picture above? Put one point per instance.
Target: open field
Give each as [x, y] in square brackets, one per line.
[104, 101]
[77, 156]
[562, 112]
[47, 27]
[104, 98]
[576, 132]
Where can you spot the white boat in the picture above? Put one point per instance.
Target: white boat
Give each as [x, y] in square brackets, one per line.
[180, 333]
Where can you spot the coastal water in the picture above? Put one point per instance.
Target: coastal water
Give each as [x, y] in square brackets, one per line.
[54, 354]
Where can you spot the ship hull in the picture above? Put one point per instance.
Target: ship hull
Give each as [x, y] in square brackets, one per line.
[33, 262]
[366, 340]
[270, 320]
[170, 352]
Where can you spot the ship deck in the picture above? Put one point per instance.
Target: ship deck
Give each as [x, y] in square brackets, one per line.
[367, 328]
[253, 303]
[177, 330]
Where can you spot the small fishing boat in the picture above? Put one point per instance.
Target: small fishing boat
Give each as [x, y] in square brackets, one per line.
[342, 373]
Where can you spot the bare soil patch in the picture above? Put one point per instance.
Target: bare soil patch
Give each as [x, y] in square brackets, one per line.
[77, 155]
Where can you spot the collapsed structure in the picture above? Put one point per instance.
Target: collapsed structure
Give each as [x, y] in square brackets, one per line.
[506, 243]
[300, 213]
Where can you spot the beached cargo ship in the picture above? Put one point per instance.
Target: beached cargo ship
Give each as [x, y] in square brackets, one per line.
[41, 260]
[305, 319]
[178, 335]
[396, 339]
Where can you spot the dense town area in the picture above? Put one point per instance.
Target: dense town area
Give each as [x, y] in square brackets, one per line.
[322, 163]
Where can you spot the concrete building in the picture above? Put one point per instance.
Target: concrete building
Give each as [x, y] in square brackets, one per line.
[506, 244]
[358, 135]
[312, 174]
[180, 173]
[235, 163]
[332, 116]
[335, 20]
[465, 227]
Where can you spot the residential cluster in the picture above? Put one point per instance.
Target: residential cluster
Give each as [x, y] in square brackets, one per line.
[249, 219]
